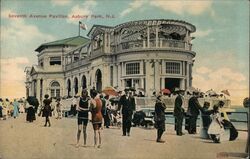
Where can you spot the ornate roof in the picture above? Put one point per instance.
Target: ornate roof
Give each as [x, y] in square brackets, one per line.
[74, 41]
[97, 29]
[153, 22]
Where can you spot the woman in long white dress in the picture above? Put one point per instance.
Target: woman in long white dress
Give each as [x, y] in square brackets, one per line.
[216, 128]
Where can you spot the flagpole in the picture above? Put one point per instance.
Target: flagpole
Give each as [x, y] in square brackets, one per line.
[79, 28]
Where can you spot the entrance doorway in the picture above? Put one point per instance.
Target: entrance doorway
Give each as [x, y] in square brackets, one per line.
[172, 83]
[98, 77]
[128, 83]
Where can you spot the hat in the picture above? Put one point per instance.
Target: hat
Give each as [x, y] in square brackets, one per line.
[221, 103]
[178, 90]
[159, 95]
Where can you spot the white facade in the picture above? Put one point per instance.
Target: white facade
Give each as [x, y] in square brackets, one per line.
[145, 54]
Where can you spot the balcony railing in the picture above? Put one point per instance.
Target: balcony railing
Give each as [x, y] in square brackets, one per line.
[76, 64]
[142, 44]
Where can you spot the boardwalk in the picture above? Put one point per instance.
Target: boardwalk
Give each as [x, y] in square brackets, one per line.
[21, 140]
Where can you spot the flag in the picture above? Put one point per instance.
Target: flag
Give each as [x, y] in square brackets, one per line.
[225, 92]
[82, 25]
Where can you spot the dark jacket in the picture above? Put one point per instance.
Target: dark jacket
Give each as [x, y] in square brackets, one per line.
[193, 106]
[178, 110]
[126, 105]
[47, 111]
[159, 111]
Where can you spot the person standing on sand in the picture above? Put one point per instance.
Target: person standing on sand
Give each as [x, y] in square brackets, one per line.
[47, 112]
[16, 108]
[216, 128]
[82, 117]
[179, 112]
[159, 118]
[193, 111]
[127, 112]
[58, 109]
[95, 108]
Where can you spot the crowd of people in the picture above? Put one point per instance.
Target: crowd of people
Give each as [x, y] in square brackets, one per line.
[213, 123]
[104, 111]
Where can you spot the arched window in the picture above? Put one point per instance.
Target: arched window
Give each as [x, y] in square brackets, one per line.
[84, 82]
[98, 78]
[55, 89]
[68, 87]
[76, 85]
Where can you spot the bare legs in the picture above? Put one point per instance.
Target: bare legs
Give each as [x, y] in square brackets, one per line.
[79, 134]
[96, 139]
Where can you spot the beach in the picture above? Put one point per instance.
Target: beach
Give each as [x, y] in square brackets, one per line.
[23, 140]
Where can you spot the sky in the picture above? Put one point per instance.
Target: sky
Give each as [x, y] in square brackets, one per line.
[221, 39]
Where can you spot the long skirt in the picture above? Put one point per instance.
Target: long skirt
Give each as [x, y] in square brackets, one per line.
[30, 114]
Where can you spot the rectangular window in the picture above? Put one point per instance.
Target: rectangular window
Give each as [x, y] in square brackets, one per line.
[136, 83]
[57, 93]
[173, 68]
[132, 68]
[52, 93]
[55, 60]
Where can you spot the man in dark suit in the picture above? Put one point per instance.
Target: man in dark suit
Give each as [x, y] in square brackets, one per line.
[193, 111]
[159, 118]
[179, 112]
[125, 105]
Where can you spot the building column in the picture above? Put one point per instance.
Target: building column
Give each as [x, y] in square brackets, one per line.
[38, 88]
[156, 37]
[162, 82]
[148, 77]
[115, 75]
[141, 67]
[187, 76]
[119, 74]
[182, 84]
[108, 43]
[148, 37]
[72, 58]
[79, 83]
[141, 83]
[65, 86]
[89, 80]
[191, 74]
[157, 75]
[104, 37]
[71, 86]
[123, 69]
[183, 68]
[106, 78]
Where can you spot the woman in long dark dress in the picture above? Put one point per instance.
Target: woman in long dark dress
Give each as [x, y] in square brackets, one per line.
[47, 109]
[30, 109]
